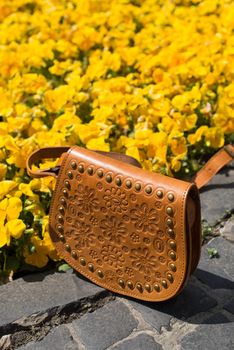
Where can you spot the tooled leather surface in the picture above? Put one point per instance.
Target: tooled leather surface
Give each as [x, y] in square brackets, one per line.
[115, 233]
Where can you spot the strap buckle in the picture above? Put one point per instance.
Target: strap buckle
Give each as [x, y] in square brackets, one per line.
[229, 151]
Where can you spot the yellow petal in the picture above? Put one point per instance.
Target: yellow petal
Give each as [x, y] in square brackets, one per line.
[36, 259]
[6, 186]
[15, 228]
[14, 208]
[4, 237]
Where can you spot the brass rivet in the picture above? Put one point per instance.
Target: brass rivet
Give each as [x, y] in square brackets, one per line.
[164, 284]
[118, 181]
[90, 171]
[82, 261]
[100, 273]
[65, 193]
[137, 187]
[172, 255]
[172, 244]
[130, 285]
[169, 222]
[171, 197]
[61, 210]
[108, 178]
[172, 267]
[122, 283]
[60, 228]
[91, 267]
[148, 288]
[70, 175]
[148, 189]
[67, 184]
[169, 210]
[139, 287]
[171, 232]
[62, 238]
[170, 277]
[68, 248]
[60, 218]
[159, 194]
[100, 173]
[157, 287]
[74, 255]
[128, 184]
[73, 165]
[81, 168]
[63, 201]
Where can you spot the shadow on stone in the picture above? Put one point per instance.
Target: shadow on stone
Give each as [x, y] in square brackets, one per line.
[213, 281]
[192, 301]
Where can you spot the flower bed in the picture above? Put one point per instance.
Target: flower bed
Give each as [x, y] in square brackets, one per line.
[152, 79]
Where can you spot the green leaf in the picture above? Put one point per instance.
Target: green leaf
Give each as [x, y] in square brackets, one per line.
[64, 267]
[213, 253]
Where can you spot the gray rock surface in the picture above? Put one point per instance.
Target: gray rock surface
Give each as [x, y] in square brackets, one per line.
[63, 311]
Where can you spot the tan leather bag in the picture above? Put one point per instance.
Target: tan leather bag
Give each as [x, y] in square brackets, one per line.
[128, 230]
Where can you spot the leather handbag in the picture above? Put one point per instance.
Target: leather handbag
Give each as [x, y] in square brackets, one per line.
[128, 230]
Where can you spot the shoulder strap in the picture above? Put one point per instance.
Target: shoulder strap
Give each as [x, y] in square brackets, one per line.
[56, 152]
[224, 156]
[215, 163]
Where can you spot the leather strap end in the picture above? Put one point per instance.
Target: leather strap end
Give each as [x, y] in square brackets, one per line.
[43, 153]
[214, 164]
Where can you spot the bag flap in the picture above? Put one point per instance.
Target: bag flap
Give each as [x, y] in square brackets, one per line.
[121, 226]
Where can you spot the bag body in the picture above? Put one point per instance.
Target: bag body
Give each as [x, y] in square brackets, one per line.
[131, 231]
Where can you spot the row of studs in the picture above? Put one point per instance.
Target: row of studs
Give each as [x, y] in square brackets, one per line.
[118, 181]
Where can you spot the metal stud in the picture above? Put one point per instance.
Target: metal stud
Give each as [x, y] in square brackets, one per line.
[65, 193]
[164, 284]
[122, 283]
[128, 183]
[90, 171]
[60, 228]
[157, 287]
[137, 187]
[63, 201]
[169, 222]
[100, 173]
[62, 238]
[108, 178]
[81, 168]
[68, 248]
[172, 255]
[70, 175]
[170, 197]
[73, 165]
[169, 210]
[159, 194]
[82, 262]
[148, 288]
[73, 254]
[91, 267]
[148, 189]
[172, 267]
[171, 232]
[100, 274]
[61, 210]
[60, 219]
[170, 277]
[67, 184]
[130, 285]
[139, 287]
[118, 181]
[172, 244]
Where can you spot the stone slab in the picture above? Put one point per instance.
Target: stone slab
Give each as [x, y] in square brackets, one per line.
[217, 273]
[105, 326]
[215, 333]
[59, 338]
[40, 292]
[227, 231]
[217, 195]
[230, 306]
[140, 342]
